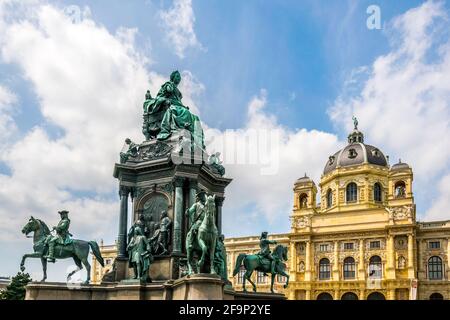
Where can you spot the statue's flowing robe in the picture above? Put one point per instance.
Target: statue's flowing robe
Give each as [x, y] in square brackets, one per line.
[177, 116]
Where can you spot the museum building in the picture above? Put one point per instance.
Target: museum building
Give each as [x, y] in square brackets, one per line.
[355, 237]
[362, 240]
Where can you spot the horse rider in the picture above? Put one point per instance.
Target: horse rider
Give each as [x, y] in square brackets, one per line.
[264, 244]
[196, 212]
[62, 235]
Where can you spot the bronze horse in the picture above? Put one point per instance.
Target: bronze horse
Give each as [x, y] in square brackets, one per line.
[253, 262]
[78, 250]
[204, 242]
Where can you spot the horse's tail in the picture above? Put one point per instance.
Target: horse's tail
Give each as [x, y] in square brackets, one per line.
[96, 252]
[239, 260]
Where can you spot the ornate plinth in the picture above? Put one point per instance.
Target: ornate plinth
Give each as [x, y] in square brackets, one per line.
[162, 176]
[196, 287]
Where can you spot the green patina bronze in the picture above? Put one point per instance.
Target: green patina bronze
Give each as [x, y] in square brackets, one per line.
[202, 236]
[220, 259]
[264, 261]
[139, 253]
[47, 247]
[355, 122]
[132, 151]
[166, 114]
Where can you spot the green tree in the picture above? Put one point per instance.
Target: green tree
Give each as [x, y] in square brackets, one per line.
[16, 289]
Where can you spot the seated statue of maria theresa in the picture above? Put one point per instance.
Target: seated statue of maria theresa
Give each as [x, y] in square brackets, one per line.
[176, 115]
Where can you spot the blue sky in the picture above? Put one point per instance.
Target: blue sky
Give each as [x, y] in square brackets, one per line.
[303, 67]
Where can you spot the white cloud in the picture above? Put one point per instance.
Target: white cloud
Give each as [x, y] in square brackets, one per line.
[7, 125]
[178, 22]
[91, 84]
[404, 106]
[269, 193]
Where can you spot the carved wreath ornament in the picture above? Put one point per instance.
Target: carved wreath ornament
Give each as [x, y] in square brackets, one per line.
[401, 212]
[301, 222]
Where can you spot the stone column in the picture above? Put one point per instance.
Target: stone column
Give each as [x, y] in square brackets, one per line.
[219, 204]
[420, 251]
[336, 295]
[308, 294]
[390, 269]
[308, 261]
[361, 264]
[411, 273]
[123, 219]
[448, 258]
[336, 262]
[193, 184]
[178, 215]
[293, 262]
[291, 294]
[362, 294]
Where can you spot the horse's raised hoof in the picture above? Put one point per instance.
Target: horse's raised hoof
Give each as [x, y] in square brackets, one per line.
[22, 268]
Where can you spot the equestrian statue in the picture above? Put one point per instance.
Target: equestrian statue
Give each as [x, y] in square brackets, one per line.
[264, 261]
[202, 236]
[48, 247]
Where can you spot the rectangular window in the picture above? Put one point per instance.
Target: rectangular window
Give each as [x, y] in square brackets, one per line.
[323, 247]
[434, 244]
[348, 246]
[324, 271]
[349, 270]
[375, 244]
[261, 278]
[241, 275]
[281, 279]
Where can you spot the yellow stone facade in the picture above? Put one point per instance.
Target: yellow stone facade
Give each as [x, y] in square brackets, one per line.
[109, 253]
[354, 237]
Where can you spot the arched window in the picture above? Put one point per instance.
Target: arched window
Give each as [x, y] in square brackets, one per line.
[376, 296]
[435, 268]
[400, 189]
[349, 268]
[436, 296]
[324, 296]
[349, 296]
[329, 198]
[303, 200]
[377, 191]
[324, 269]
[375, 267]
[352, 192]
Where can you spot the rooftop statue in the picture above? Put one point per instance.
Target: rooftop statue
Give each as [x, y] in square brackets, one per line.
[265, 261]
[355, 122]
[166, 114]
[47, 247]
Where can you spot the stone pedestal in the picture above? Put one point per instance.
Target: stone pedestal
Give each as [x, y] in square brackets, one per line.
[157, 179]
[198, 287]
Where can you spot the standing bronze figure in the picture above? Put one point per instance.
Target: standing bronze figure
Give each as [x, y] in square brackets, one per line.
[140, 256]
